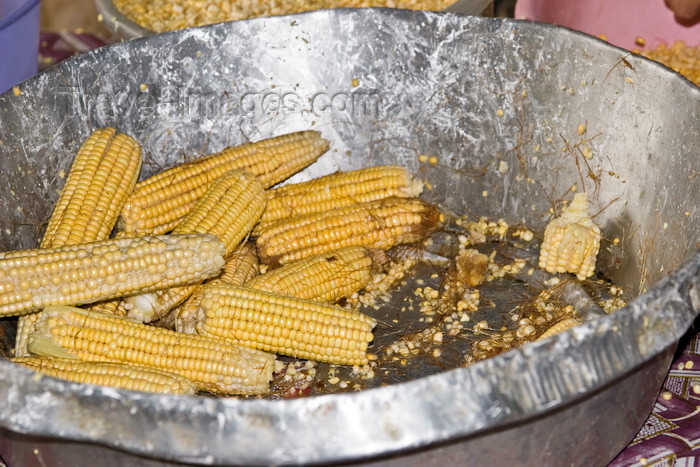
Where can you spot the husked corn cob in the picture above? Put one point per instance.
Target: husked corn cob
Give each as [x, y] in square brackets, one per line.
[379, 224]
[89, 272]
[571, 241]
[113, 306]
[240, 267]
[102, 175]
[116, 306]
[228, 209]
[325, 277]
[338, 190]
[25, 325]
[286, 325]
[104, 171]
[118, 375]
[213, 365]
[157, 204]
[561, 326]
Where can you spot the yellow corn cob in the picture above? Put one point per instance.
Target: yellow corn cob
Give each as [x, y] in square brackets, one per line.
[571, 241]
[286, 325]
[229, 209]
[111, 307]
[561, 326]
[379, 224]
[240, 267]
[118, 375]
[158, 203]
[116, 307]
[102, 174]
[213, 365]
[25, 325]
[338, 190]
[89, 272]
[326, 277]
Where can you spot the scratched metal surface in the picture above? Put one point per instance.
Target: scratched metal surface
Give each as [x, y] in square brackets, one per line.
[387, 86]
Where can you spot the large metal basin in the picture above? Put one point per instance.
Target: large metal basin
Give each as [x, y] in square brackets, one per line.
[387, 86]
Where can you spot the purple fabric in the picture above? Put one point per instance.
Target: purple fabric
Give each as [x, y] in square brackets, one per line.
[57, 46]
[671, 434]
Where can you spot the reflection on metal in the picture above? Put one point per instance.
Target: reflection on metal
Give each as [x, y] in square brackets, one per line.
[472, 92]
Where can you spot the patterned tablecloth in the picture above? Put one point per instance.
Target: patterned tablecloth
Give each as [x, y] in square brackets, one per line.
[671, 434]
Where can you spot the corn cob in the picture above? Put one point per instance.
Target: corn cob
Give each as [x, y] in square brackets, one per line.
[213, 365]
[118, 375]
[229, 209]
[102, 175]
[338, 190]
[561, 326]
[89, 272]
[571, 241]
[158, 203]
[104, 171]
[286, 325]
[326, 277]
[25, 325]
[240, 267]
[114, 306]
[379, 224]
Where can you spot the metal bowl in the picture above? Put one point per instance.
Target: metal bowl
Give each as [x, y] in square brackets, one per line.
[384, 87]
[127, 29]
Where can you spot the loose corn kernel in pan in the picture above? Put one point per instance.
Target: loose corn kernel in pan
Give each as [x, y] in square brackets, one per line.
[213, 365]
[338, 190]
[286, 325]
[90, 272]
[158, 203]
[168, 15]
[228, 209]
[240, 267]
[379, 224]
[326, 277]
[571, 241]
[118, 375]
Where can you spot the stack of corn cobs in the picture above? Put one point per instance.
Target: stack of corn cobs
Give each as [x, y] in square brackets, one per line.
[175, 300]
[182, 250]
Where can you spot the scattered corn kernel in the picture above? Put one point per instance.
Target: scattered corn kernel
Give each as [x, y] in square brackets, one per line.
[167, 15]
[684, 59]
